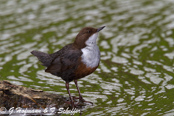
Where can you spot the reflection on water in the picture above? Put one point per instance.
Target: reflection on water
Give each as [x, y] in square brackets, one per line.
[135, 76]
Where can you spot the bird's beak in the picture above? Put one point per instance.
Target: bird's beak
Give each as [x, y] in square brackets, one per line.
[100, 28]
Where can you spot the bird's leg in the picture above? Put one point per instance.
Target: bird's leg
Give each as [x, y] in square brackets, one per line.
[67, 87]
[80, 96]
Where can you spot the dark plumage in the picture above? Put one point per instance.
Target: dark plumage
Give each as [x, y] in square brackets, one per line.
[67, 63]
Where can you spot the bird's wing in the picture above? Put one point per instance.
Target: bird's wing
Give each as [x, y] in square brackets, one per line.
[66, 61]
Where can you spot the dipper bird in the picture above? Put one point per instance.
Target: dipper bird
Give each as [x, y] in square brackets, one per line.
[75, 60]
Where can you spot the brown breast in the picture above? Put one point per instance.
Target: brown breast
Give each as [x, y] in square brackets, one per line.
[83, 71]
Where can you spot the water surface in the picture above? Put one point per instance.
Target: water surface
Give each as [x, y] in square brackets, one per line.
[135, 76]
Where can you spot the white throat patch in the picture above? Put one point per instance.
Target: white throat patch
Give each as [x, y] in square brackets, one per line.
[91, 53]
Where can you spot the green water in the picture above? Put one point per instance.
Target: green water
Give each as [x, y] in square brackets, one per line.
[135, 76]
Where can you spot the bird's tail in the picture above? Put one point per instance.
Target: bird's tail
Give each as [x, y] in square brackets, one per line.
[45, 58]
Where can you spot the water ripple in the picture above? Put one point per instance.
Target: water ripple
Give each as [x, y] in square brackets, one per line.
[135, 76]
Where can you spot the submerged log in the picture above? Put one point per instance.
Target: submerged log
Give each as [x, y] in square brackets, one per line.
[18, 96]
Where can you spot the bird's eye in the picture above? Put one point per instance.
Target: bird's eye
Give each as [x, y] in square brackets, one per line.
[88, 31]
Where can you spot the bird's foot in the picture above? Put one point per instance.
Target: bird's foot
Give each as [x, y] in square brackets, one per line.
[71, 104]
[75, 98]
[84, 101]
[78, 102]
[81, 100]
[74, 103]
